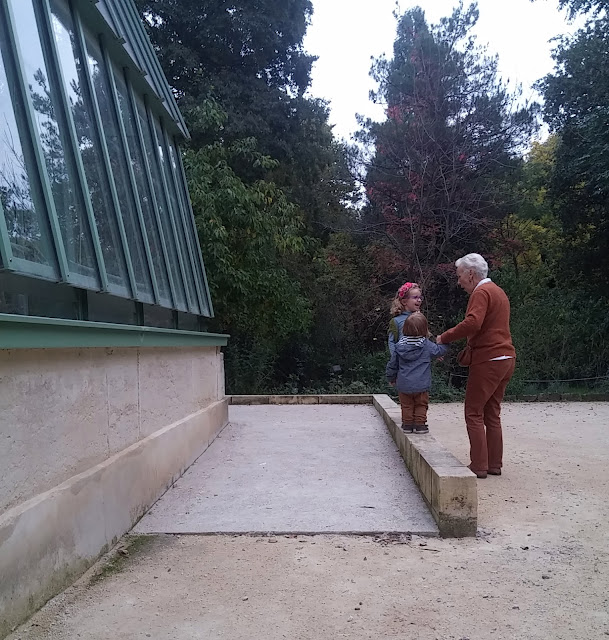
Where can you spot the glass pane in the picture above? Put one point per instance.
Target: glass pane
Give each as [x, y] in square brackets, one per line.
[118, 164]
[162, 206]
[89, 146]
[103, 307]
[189, 223]
[176, 208]
[188, 322]
[22, 219]
[137, 164]
[32, 297]
[72, 222]
[73, 225]
[155, 316]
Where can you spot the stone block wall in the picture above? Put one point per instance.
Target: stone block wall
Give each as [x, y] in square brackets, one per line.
[89, 440]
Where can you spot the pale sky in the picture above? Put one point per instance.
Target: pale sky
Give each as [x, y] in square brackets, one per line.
[345, 34]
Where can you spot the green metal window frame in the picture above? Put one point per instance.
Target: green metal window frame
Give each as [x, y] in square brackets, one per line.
[33, 156]
[176, 219]
[98, 132]
[182, 213]
[206, 297]
[133, 192]
[74, 160]
[109, 23]
[6, 253]
[155, 207]
[32, 332]
[156, 143]
[128, 25]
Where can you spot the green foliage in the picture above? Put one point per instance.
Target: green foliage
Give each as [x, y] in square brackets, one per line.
[267, 180]
[576, 7]
[559, 327]
[359, 373]
[247, 231]
[444, 387]
[349, 312]
[365, 373]
[532, 236]
[304, 297]
[203, 43]
[559, 333]
[576, 108]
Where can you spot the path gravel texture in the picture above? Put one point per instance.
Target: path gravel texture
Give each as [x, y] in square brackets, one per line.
[539, 568]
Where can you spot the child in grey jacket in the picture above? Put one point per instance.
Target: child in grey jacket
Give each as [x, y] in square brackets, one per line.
[409, 369]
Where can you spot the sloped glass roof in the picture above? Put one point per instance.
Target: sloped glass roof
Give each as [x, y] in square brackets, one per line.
[127, 25]
[92, 189]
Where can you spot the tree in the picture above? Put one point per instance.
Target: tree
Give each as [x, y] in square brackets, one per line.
[444, 158]
[203, 45]
[247, 231]
[531, 236]
[349, 313]
[577, 109]
[543, 286]
[268, 182]
[248, 57]
[576, 7]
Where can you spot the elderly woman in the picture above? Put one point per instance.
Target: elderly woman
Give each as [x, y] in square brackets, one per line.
[491, 357]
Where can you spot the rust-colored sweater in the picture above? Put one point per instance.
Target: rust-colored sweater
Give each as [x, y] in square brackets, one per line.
[486, 325]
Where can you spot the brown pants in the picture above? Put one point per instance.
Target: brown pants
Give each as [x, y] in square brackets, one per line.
[485, 388]
[414, 407]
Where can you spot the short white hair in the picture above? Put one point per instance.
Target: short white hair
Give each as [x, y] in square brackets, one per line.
[475, 262]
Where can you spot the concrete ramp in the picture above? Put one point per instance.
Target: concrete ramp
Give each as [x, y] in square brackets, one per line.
[295, 469]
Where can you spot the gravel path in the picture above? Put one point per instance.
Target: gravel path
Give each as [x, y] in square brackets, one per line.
[538, 569]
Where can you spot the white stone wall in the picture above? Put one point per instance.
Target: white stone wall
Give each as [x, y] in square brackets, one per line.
[89, 440]
[63, 411]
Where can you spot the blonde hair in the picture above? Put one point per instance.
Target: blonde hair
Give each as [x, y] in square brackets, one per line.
[415, 326]
[396, 306]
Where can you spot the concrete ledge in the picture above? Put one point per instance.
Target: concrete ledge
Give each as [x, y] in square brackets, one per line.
[304, 399]
[47, 542]
[449, 488]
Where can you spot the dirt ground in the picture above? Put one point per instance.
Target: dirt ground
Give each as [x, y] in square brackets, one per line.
[539, 567]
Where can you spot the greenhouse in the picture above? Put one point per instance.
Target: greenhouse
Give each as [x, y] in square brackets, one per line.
[96, 222]
[110, 387]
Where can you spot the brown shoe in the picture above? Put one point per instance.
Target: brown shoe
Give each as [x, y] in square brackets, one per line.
[494, 472]
[479, 474]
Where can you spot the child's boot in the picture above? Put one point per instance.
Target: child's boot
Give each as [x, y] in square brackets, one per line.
[421, 428]
[407, 428]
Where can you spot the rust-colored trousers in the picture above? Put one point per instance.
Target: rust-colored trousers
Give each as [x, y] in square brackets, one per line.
[485, 388]
[414, 407]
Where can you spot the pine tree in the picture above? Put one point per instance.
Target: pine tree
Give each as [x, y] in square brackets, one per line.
[438, 180]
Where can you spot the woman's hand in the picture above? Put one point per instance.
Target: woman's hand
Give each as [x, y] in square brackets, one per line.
[439, 340]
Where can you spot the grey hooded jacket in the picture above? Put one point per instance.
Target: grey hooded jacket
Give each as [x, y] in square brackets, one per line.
[410, 364]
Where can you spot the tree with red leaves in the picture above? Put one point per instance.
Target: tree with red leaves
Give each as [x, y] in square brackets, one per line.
[439, 175]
